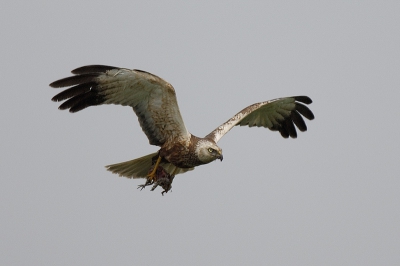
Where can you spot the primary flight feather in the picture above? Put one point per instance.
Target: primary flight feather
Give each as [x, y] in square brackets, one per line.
[155, 104]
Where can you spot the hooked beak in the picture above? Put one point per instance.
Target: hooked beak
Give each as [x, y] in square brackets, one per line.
[220, 157]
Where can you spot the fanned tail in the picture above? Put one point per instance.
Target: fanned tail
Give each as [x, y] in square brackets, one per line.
[139, 168]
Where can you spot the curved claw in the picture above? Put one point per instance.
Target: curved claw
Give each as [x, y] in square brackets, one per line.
[148, 183]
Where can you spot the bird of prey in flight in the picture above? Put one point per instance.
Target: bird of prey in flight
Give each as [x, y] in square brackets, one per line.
[154, 101]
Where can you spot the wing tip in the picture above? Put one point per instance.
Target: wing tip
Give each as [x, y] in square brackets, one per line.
[92, 69]
[303, 99]
[54, 84]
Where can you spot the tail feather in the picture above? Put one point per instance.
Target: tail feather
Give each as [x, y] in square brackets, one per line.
[139, 168]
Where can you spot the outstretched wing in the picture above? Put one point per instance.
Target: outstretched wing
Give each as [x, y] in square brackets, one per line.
[152, 98]
[280, 114]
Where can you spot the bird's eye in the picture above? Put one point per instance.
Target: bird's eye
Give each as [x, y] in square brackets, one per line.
[210, 150]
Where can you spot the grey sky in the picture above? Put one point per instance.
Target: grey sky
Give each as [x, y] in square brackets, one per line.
[330, 197]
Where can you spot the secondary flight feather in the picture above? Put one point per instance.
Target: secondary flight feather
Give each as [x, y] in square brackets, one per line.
[154, 101]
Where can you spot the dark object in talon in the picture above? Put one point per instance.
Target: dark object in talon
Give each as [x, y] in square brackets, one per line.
[162, 178]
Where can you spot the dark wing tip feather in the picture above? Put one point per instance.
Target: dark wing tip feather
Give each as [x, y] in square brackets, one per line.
[92, 100]
[305, 111]
[92, 69]
[73, 91]
[303, 99]
[284, 132]
[82, 101]
[84, 91]
[298, 121]
[74, 80]
[287, 127]
[290, 128]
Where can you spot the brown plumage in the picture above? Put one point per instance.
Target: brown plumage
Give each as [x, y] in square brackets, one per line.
[155, 104]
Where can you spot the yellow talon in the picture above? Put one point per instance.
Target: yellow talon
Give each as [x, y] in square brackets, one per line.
[153, 173]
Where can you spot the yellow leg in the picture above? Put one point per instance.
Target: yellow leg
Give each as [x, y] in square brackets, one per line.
[153, 173]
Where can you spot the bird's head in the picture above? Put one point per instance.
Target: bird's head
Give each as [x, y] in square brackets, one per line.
[207, 151]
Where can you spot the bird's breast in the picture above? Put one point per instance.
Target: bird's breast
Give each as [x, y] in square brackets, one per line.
[180, 155]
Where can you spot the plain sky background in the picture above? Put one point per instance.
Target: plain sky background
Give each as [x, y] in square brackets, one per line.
[329, 197]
